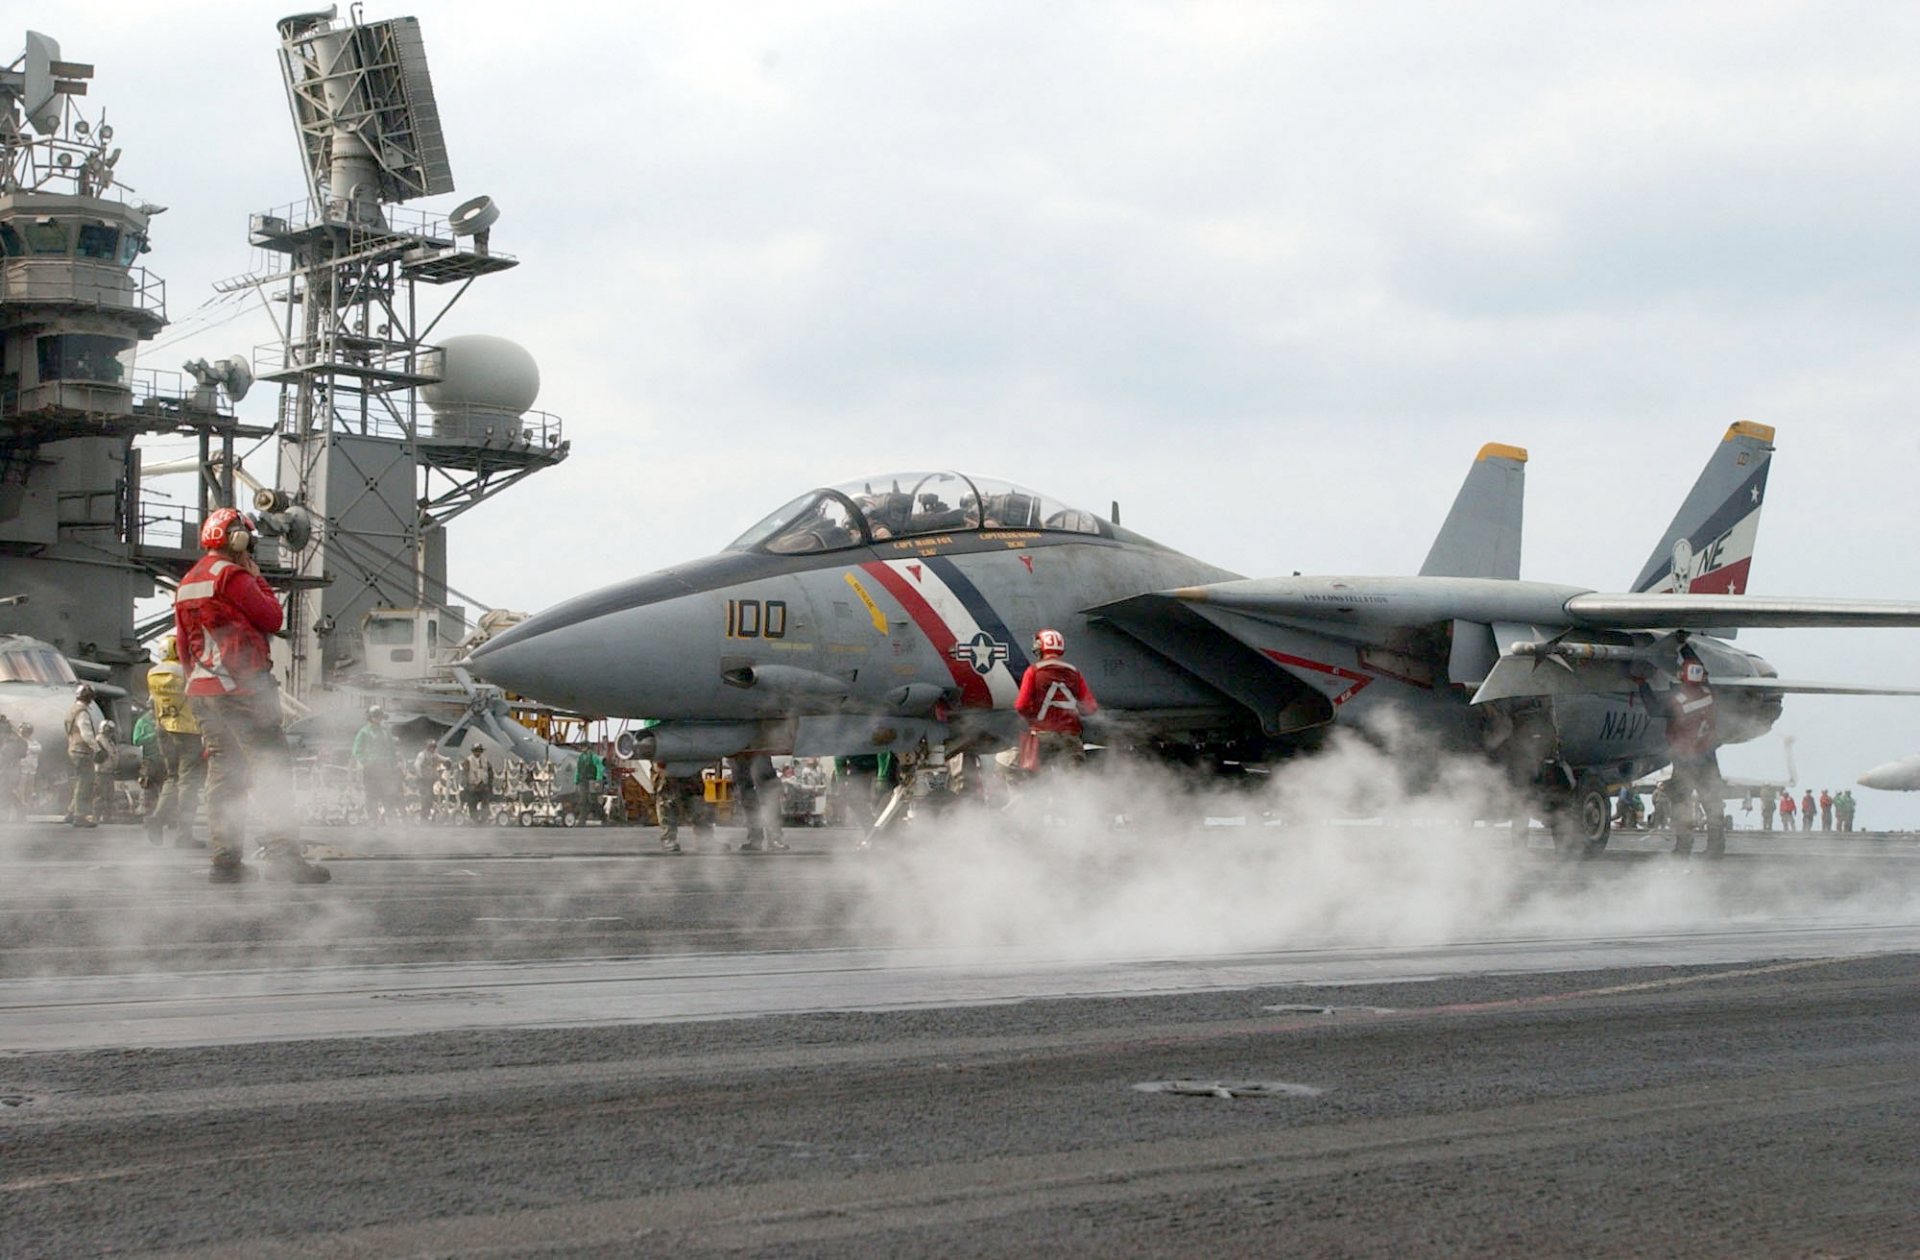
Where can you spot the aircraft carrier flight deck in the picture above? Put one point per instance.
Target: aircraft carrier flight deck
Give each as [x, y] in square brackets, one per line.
[567, 1042]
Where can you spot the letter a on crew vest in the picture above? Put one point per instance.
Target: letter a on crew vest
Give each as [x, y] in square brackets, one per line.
[1059, 696]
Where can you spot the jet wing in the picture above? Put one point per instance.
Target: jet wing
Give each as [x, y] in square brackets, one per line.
[1408, 601]
[1595, 611]
[1517, 676]
[1489, 617]
[1331, 602]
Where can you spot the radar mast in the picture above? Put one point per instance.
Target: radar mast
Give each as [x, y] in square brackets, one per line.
[378, 442]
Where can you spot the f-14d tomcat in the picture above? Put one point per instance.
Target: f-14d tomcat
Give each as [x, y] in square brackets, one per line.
[896, 609]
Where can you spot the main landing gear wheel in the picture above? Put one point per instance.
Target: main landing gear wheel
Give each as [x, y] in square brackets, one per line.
[1582, 825]
[1717, 837]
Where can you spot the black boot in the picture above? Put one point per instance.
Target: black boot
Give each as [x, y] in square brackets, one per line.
[231, 871]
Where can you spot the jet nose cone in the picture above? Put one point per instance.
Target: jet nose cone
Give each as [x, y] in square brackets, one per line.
[1894, 776]
[639, 648]
[533, 660]
[502, 663]
[620, 661]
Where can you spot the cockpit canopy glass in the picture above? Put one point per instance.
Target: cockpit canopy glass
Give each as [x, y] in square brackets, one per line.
[910, 505]
[24, 661]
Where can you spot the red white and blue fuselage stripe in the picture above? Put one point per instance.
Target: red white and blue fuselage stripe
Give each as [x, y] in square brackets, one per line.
[960, 625]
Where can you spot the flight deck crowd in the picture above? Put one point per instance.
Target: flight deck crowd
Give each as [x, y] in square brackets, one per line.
[1829, 811]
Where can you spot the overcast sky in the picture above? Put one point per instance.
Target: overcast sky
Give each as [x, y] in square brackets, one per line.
[1268, 274]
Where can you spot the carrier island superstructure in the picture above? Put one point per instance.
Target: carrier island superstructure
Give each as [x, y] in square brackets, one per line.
[78, 542]
[381, 436]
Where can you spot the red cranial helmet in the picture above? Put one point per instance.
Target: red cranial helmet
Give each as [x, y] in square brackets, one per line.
[1693, 672]
[1049, 643]
[223, 530]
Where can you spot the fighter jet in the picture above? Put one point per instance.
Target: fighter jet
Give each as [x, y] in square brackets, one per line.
[896, 612]
[37, 683]
[1902, 775]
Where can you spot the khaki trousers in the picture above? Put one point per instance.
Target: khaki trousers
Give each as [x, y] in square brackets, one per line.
[86, 787]
[179, 802]
[246, 750]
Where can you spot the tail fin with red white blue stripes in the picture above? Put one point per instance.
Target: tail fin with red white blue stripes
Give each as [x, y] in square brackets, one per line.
[1708, 549]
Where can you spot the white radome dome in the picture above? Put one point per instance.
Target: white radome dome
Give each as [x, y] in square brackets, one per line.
[483, 374]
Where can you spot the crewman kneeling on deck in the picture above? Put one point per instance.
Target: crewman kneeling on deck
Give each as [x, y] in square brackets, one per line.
[222, 615]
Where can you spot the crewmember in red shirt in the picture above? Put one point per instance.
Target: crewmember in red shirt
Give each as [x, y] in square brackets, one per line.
[1054, 698]
[222, 615]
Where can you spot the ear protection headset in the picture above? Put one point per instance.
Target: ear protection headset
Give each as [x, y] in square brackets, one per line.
[227, 529]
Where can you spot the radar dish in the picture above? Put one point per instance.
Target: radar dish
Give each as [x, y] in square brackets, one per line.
[470, 218]
[484, 375]
[363, 106]
[236, 377]
[44, 101]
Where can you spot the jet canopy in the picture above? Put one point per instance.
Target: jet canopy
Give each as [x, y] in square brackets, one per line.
[31, 661]
[908, 505]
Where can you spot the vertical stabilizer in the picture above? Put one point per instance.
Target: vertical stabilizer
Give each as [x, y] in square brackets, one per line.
[1708, 549]
[1481, 538]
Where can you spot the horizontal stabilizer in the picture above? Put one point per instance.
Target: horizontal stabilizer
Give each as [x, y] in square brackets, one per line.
[1788, 687]
[1595, 611]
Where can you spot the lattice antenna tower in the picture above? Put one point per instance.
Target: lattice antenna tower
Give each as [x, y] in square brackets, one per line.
[361, 281]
